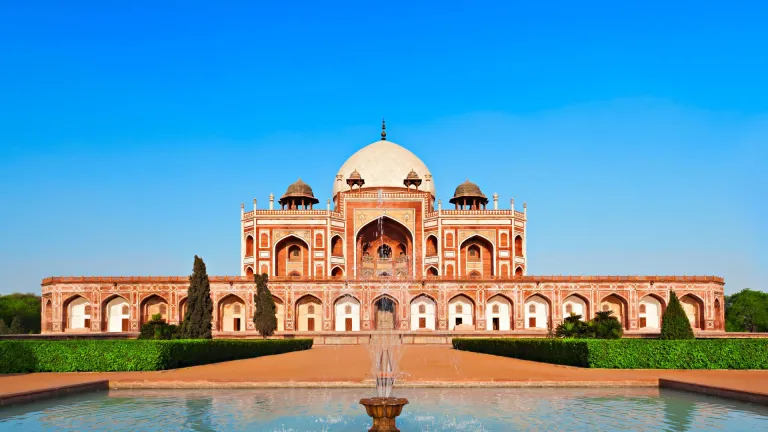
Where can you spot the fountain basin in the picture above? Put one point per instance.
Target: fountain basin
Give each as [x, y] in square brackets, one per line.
[383, 410]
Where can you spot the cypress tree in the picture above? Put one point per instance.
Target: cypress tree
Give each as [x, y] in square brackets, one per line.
[16, 327]
[3, 328]
[264, 318]
[197, 319]
[674, 322]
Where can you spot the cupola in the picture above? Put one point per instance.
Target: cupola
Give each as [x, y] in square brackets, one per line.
[412, 179]
[355, 179]
[299, 195]
[468, 196]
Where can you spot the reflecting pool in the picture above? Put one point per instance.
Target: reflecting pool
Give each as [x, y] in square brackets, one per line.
[429, 410]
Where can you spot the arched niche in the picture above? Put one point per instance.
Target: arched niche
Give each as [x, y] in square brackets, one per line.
[498, 313]
[423, 313]
[116, 314]
[536, 312]
[385, 313]
[309, 314]
[347, 314]
[477, 257]
[694, 309]
[461, 313]
[649, 312]
[153, 305]
[577, 305]
[384, 248]
[618, 305]
[292, 257]
[77, 314]
[232, 314]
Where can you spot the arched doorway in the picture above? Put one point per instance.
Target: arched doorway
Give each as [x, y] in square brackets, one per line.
[347, 314]
[249, 271]
[536, 312]
[649, 312]
[618, 305]
[518, 271]
[423, 313]
[77, 311]
[384, 247]
[309, 314]
[693, 307]
[498, 313]
[117, 315]
[153, 305]
[231, 314]
[577, 305]
[385, 316]
[461, 312]
[718, 316]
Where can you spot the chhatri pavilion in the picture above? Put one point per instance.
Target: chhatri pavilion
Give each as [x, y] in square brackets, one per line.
[384, 254]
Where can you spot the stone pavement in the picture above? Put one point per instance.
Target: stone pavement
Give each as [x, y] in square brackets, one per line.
[420, 365]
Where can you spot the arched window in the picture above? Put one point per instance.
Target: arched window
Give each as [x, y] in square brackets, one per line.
[431, 272]
[569, 309]
[473, 253]
[348, 309]
[431, 246]
[642, 308]
[384, 251]
[459, 309]
[337, 247]
[422, 309]
[518, 246]
[495, 309]
[503, 239]
[532, 308]
[449, 240]
[249, 246]
[310, 309]
[519, 271]
[248, 271]
[401, 250]
[319, 240]
[294, 253]
[264, 240]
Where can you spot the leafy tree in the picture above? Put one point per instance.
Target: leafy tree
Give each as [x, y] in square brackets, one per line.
[16, 327]
[747, 311]
[3, 328]
[674, 322]
[24, 306]
[264, 318]
[197, 319]
[157, 328]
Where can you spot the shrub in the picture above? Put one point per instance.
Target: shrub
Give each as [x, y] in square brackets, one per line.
[16, 327]
[158, 329]
[265, 318]
[197, 319]
[629, 353]
[603, 326]
[19, 356]
[674, 323]
[3, 328]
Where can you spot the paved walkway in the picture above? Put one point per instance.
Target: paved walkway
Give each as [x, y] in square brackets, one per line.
[420, 364]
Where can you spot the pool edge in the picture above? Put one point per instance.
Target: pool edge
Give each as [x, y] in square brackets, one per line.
[52, 392]
[721, 392]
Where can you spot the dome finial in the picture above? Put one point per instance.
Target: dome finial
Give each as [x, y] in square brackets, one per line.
[383, 130]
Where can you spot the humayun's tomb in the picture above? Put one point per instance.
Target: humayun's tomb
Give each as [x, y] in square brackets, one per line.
[384, 254]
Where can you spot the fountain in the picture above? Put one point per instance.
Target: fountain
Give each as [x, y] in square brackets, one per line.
[385, 352]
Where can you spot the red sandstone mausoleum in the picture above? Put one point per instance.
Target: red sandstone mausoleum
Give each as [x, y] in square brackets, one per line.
[384, 254]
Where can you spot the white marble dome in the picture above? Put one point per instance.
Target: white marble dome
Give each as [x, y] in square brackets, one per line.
[383, 164]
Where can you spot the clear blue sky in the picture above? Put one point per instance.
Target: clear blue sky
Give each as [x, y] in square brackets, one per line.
[131, 131]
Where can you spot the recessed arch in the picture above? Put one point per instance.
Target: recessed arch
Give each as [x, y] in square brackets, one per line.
[518, 271]
[537, 312]
[182, 309]
[279, 312]
[154, 304]
[620, 307]
[577, 304]
[718, 315]
[346, 310]
[77, 313]
[116, 314]
[47, 315]
[337, 246]
[385, 312]
[498, 313]
[249, 271]
[431, 272]
[518, 245]
[231, 313]
[461, 313]
[693, 305]
[337, 272]
[378, 245]
[309, 313]
[486, 264]
[423, 312]
[430, 245]
[281, 261]
[249, 245]
[650, 309]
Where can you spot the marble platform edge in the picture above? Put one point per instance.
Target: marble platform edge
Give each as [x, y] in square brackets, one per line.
[52, 392]
[710, 390]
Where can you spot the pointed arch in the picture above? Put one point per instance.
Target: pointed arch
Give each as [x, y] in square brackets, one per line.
[154, 304]
[519, 271]
[182, 309]
[249, 271]
[461, 313]
[77, 313]
[423, 312]
[620, 307]
[498, 313]
[116, 314]
[231, 313]
[431, 272]
[650, 309]
[537, 311]
[337, 272]
[283, 264]
[430, 245]
[518, 245]
[249, 245]
[718, 315]
[485, 263]
[694, 309]
[346, 310]
[577, 304]
[309, 313]
[385, 309]
[47, 315]
[377, 252]
[337, 246]
[279, 312]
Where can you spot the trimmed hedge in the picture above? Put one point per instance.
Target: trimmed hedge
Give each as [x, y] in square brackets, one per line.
[18, 356]
[629, 353]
